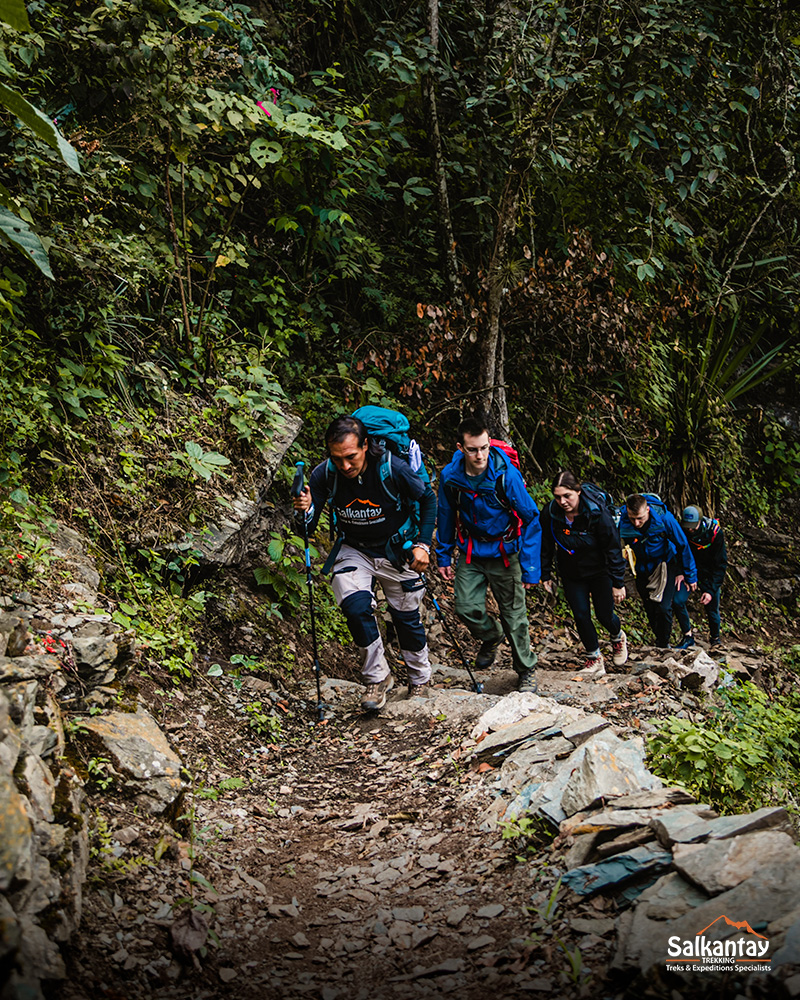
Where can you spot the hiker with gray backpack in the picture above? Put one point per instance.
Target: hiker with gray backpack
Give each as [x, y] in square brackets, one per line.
[383, 512]
[580, 536]
[663, 556]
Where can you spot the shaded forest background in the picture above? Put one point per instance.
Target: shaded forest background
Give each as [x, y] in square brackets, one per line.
[582, 216]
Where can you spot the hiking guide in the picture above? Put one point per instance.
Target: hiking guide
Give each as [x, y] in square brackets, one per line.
[664, 560]
[379, 505]
[579, 531]
[485, 511]
[707, 540]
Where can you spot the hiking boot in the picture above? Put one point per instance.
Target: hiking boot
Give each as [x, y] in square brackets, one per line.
[686, 642]
[619, 647]
[487, 653]
[374, 696]
[419, 690]
[593, 666]
[527, 682]
[715, 641]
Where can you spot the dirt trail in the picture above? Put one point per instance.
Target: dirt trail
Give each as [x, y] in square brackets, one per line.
[351, 863]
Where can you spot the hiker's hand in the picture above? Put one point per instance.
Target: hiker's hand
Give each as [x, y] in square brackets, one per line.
[419, 559]
[692, 586]
[705, 598]
[619, 594]
[303, 502]
[549, 586]
[447, 573]
[680, 579]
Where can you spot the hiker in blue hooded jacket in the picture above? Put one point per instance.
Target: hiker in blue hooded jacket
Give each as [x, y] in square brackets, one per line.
[664, 560]
[486, 513]
[379, 540]
[707, 540]
[579, 534]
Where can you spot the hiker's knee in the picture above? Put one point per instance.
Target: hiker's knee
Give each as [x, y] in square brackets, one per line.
[357, 609]
[409, 627]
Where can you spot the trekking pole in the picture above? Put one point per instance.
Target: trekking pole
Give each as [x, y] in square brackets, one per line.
[297, 488]
[477, 686]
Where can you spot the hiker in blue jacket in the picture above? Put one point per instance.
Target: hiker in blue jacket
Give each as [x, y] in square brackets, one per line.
[579, 534]
[375, 531]
[485, 512]
[664, 560]
[707, 540]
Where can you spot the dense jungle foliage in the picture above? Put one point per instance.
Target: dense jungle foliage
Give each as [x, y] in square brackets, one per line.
[581, 215]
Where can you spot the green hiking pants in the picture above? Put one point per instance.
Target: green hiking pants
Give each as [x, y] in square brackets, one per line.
[471, 582]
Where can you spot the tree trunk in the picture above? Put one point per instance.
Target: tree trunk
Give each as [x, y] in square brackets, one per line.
[446, 236]
[491, 376]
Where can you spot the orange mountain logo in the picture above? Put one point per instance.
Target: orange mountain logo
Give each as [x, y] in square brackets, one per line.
[721, 945]
[364, 503]
[741, 925]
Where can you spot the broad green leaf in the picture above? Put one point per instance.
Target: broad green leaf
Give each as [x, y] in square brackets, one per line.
[13, 12]
[264, 151]
[18, 232]
[215, 670]
[193, 449]
[40, 124]
[76, 369]
[275, 549]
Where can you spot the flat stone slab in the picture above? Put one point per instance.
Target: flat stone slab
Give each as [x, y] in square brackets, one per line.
[615, 871]
[140, 750]
[544, 792]
[457, 706]
[518, 706]
[602, 774]
[775, 818]
[679, 826]
[720, 865]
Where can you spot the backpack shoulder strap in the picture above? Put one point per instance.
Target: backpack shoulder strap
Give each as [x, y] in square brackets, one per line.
[331, 481]
[502, 463]
[386, 477]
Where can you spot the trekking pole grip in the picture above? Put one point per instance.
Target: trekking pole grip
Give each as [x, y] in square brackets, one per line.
[299, 481]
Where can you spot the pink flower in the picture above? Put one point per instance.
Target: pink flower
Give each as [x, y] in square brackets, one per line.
[261, 105]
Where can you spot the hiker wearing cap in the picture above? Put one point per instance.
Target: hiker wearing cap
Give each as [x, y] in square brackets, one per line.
[486, 513]
[578, 531]
[373, 495]
[707, 541]
[664, 560]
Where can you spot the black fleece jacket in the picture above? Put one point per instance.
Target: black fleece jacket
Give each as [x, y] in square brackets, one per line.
[584, 549]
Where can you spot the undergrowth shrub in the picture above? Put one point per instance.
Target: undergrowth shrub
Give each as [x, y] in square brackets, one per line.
[744, 756]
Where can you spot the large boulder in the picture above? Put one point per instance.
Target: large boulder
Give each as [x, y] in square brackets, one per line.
[140, 751]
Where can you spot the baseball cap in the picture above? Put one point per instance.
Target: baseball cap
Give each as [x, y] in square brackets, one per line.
[691, 517]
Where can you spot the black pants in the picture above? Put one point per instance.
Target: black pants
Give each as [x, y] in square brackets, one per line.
[578, 594]
[659, 613]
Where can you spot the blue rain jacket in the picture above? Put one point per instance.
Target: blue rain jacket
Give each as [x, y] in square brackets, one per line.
[482, 526]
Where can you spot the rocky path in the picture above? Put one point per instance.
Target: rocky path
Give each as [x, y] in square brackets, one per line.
[355, 861]
[241, 849]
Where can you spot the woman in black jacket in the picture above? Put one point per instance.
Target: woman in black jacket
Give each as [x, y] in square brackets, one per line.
[577, 527]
